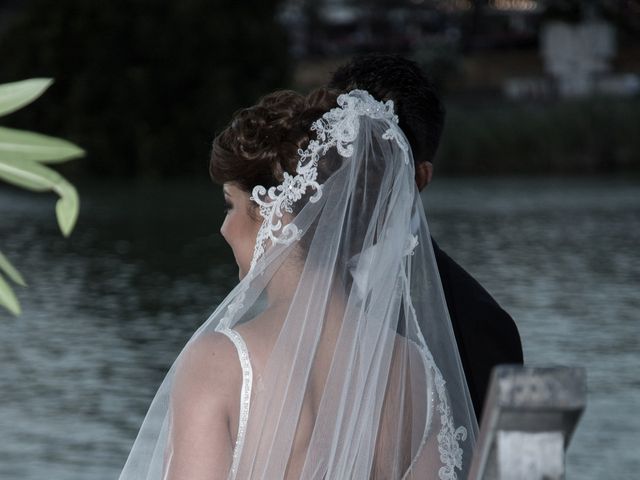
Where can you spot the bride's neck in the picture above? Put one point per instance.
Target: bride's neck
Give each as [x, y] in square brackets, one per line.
[283, 286]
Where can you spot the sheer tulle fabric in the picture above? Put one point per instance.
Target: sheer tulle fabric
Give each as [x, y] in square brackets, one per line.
[355, 371]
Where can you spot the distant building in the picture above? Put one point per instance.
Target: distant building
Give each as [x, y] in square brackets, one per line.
[572, 57]
[329, 27]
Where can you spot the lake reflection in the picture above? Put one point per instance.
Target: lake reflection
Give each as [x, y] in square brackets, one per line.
[107, 310]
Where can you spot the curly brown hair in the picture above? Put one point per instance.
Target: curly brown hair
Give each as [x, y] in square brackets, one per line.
[262, 141]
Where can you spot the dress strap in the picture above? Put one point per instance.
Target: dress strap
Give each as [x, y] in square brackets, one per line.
[245, 394]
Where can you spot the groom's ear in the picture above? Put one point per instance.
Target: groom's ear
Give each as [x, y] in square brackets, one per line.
[424, 172]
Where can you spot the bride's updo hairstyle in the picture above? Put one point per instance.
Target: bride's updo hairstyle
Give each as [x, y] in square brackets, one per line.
[262, 141]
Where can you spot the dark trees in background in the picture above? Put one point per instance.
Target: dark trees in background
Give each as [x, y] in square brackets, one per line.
[143, 85]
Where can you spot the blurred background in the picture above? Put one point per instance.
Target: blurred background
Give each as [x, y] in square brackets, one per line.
[536, 193]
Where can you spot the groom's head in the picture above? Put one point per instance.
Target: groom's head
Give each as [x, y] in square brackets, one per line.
[419, 109]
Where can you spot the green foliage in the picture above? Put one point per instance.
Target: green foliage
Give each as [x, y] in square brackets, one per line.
[442, 60]
[598, 135]
[16, 95]
[21, 157]
[145, 84]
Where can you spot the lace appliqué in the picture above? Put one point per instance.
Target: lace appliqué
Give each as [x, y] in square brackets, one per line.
[449, 435]
[411, 245]
[336, 128]
[394, 134]
[235, 306]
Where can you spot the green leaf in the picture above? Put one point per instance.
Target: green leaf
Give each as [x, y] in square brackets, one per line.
[12, 273]
[29, 175]
[16, 95]
[33, 176]
[8, 298]
[23, 145]
[67, 208]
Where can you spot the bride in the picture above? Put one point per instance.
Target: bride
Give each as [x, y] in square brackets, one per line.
[334, 357]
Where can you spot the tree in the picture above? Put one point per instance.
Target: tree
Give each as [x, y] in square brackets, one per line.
[144, 84]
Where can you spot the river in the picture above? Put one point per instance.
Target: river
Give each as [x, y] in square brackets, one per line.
[108, 309]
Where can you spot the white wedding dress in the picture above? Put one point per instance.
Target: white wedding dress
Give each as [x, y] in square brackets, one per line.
[245, 400]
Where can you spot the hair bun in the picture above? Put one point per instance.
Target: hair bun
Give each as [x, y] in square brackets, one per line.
[262, 141]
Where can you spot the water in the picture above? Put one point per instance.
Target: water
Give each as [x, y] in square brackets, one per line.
[107, 310]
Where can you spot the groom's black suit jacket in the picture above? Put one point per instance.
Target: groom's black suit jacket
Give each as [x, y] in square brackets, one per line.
[486, 335]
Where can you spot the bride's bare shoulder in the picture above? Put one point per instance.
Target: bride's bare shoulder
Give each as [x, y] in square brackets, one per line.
[209, 365]
[203, 394]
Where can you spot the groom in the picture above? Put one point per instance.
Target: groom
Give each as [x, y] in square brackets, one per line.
[486, 335]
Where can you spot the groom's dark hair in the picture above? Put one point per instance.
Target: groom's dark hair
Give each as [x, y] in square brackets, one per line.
[392, 77]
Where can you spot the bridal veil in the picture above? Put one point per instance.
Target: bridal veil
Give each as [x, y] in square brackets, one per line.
[356, 373]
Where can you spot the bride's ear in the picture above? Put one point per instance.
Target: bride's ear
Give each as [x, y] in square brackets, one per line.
[424, 172]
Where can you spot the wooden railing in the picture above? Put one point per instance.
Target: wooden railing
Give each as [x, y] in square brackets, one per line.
[529, 418]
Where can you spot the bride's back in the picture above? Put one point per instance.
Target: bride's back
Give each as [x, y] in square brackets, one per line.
[261, 335]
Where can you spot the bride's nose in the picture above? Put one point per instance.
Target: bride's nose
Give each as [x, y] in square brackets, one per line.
[223, 230]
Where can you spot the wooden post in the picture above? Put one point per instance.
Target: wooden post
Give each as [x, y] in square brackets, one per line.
[529, 417]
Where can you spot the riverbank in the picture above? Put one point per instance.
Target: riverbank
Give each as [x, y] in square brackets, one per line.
[594, 136]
